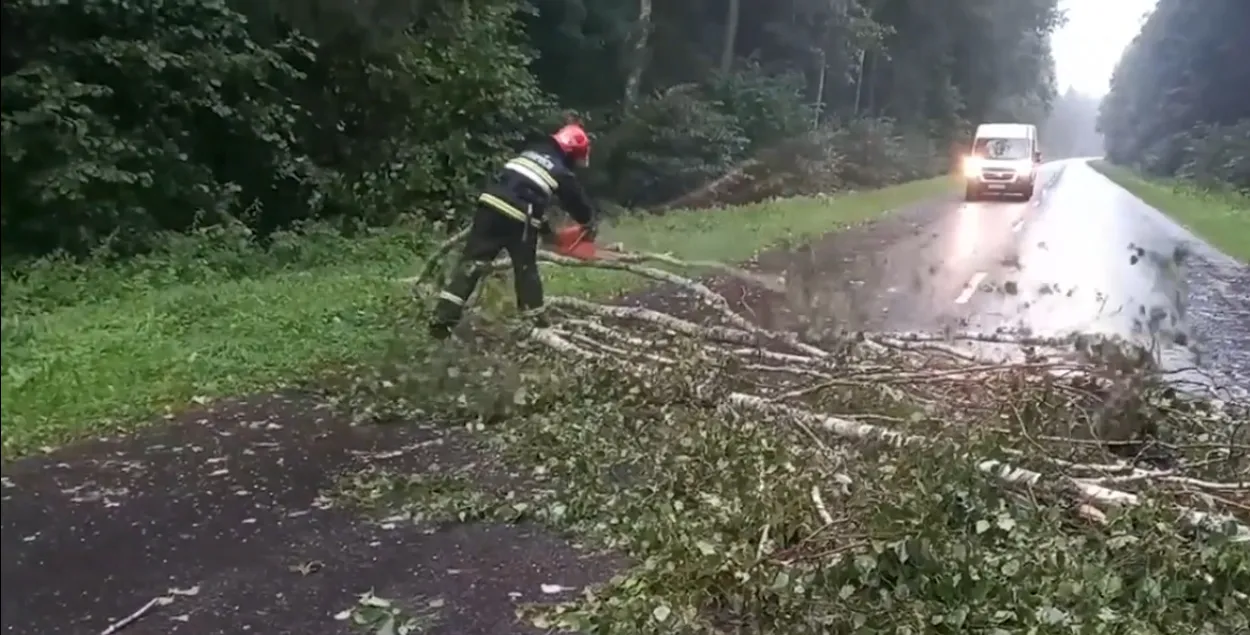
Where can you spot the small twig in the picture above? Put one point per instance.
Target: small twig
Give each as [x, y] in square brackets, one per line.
[820, 506]
[432, 263]
[164, 600]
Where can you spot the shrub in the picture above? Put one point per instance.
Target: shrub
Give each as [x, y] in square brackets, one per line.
[144, 117]
[745, 136]
[672, 143]
[1218, 156]
[769, 108]
[227, 251]
[176, 115]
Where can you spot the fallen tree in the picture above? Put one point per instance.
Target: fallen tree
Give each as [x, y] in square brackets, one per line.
[1092, 451]
[804, 359]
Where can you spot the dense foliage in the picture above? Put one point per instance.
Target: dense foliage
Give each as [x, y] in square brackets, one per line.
[1178, 104]
[125, 120]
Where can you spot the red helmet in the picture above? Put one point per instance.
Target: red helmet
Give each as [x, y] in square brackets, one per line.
[574, 143]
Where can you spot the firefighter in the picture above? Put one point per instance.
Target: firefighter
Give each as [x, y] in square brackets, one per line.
[510, 217]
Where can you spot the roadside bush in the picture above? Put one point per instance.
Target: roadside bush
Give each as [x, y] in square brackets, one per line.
[467, 54]
[1212, 157]
[1164, 156]
[140, 119]
[769, 108]
[840, 155]
[1218, 156]
[691, 134]
[747, 136]
[146, 118]
[671, 144]
[228, 251]
[876, 152]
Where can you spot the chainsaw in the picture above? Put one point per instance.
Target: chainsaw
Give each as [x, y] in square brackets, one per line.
[575, 241]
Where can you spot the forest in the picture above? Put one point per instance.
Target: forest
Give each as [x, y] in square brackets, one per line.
[128, 122]
[1178, 104]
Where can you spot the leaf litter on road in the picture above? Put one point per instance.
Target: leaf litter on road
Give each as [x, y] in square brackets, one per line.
[381, 616]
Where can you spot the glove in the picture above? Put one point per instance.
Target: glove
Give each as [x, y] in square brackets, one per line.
[590, 231]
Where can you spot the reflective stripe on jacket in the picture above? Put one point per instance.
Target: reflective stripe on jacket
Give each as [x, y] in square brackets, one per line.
[508, 209]
[530, 181]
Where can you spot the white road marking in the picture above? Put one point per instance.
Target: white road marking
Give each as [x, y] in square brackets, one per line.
[971, 288]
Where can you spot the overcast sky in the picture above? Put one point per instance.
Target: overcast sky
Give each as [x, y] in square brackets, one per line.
[1087, 49]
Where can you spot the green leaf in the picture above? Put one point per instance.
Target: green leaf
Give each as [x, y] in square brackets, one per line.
[661, 613]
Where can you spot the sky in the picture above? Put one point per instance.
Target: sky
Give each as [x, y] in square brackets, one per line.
[1087, 48]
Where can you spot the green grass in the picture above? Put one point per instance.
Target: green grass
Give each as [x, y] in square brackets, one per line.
[1223, 219]
[107, 364]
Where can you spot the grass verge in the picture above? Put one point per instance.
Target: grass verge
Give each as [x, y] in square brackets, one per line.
[107, 362]
[1222, 219]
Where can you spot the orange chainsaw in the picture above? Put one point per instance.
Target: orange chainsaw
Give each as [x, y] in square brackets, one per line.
[574, 241]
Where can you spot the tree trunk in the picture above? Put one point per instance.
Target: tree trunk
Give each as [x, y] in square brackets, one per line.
[820, 91]
[638, 59]
[731, 36]
[859, 82]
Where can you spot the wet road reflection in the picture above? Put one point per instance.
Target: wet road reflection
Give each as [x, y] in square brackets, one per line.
[1094, 259]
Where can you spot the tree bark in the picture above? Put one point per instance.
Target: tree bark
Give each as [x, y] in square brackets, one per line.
[731, 36]
[638, 59]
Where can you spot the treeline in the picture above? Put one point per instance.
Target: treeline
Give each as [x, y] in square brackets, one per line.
[1180, 98]
[124, 121]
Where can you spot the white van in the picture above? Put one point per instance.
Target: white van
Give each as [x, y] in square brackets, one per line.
[1004, 160]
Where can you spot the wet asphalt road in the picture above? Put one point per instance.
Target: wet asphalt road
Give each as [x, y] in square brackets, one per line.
[1093, 258]
[223, 506]
[225, 500]
[1083, 256]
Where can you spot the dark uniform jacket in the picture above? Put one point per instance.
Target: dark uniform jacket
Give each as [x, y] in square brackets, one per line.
[509, 210]
[531, 181]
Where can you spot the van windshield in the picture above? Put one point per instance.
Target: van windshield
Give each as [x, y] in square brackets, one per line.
[1003, 149]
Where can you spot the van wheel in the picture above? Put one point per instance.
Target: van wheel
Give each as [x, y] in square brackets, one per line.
[971, 193]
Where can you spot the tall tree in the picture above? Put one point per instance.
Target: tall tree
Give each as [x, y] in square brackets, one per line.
[1178, 103]
[638, 61]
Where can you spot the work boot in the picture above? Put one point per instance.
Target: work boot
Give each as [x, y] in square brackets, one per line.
[536, 318]
[440, 332]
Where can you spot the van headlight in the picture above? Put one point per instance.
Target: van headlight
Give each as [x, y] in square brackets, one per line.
[972, 166]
